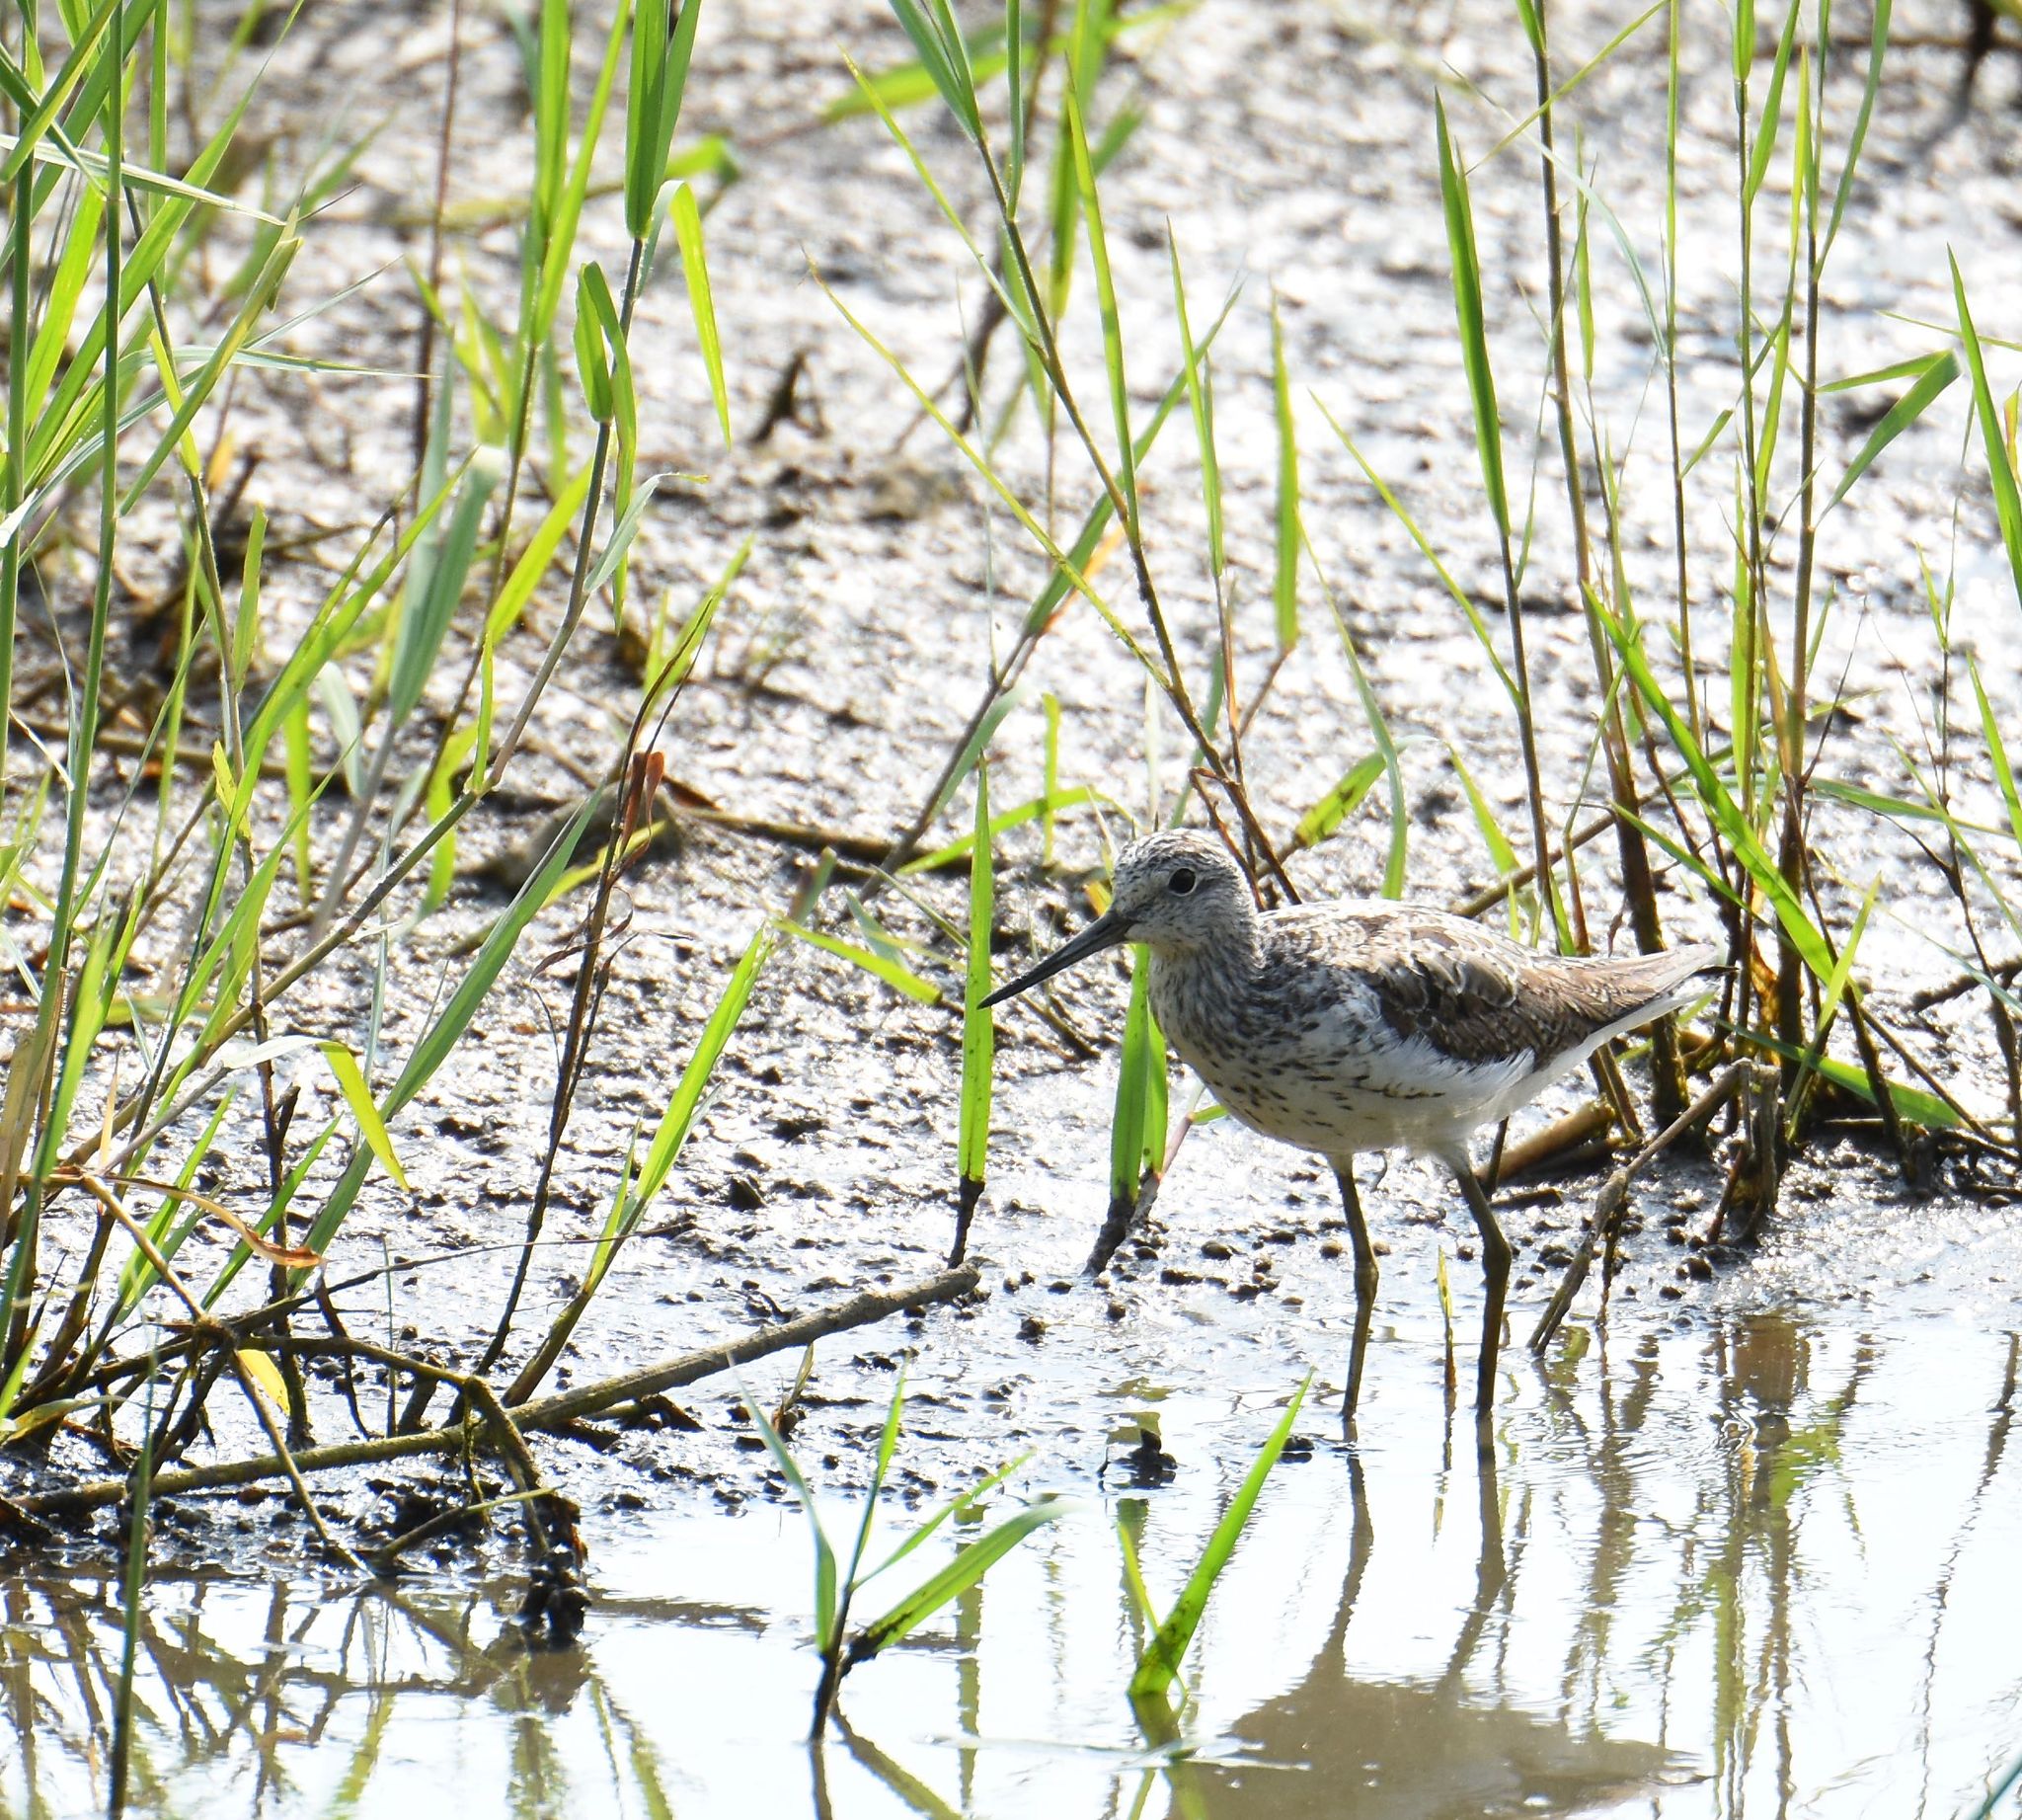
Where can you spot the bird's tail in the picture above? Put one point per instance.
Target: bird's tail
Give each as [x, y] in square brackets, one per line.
[1638, 991]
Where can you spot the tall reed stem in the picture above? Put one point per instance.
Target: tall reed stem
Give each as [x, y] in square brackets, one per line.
[1639, 885]
[1791, 856]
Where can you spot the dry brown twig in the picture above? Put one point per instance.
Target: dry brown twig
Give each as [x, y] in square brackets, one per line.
[544, 1413]
[1613, 1198]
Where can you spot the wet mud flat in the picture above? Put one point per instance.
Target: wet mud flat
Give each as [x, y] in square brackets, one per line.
[1693, 1521]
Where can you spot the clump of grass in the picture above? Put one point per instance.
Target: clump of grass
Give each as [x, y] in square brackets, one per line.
[840, 1578]
[206, 845]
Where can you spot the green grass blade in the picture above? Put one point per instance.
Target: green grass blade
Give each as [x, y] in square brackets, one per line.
[1771, 121]
[1157, 1097]
[955, 1579]
[1467, 306]
[1339, 803]
[1912, 368]
[1828, 1006]
[1133, 1576]
[968, 1499]
[1106, 303]
[28, 143]
[619, 547]
[679, 1117]
[1998, 752]
[190, 400]
[1842, 193]
[2000, 470]
[943, 55]
[1128, 1121]
[246, 626]
[536, 559]
[978, 1025]
[895, 974]
[1014, 96]
[826, 1576]
[1041, 809]
[593, 339]
[888, 1445]
[1728, 816]
[1284, 588]
[1502, 855]
[1912, 1104]
[1199, 399]
[1935, 374]
[636, 1194]
[658, 78]
[970, 758]
[560, 236]
[548, 71]
[1160, 1666]
[1386, 749]
[687, 219]
[1049, 800]
[426, 621]
[357, 1095]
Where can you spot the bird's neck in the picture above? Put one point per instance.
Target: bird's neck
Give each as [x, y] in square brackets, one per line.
[1184, 972]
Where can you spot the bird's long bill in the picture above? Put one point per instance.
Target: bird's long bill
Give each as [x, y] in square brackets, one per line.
[1107, 930]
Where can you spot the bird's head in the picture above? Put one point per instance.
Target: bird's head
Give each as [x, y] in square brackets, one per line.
[1179, 891]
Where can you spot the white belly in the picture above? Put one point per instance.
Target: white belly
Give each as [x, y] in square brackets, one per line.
[1342, 1112]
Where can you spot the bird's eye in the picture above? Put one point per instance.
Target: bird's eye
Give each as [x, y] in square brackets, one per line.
[1182, 881]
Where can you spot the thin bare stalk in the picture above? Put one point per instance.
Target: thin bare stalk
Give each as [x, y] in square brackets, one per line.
[1639, 884]
[424, 353]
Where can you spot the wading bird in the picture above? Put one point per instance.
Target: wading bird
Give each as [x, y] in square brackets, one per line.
[1365, 1026]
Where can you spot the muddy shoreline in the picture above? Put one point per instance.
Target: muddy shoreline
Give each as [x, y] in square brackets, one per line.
[1289, 148]
[851, 647]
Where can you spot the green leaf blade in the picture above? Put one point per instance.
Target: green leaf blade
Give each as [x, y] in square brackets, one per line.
[979, 1022]
[955, 1579]
[687, 219]
[1159, 1664]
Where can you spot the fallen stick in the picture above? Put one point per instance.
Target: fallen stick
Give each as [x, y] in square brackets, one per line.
[547, 1412]
[1613, 1197]
[2004, 971]
[1582, 1126]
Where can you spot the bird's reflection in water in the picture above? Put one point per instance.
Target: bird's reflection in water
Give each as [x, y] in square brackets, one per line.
[1415, 1750]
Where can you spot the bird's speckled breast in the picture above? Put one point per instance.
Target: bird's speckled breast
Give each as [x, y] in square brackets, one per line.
[1313, 1068]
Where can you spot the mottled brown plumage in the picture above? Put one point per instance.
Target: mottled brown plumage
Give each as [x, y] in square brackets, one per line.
[1463, 989]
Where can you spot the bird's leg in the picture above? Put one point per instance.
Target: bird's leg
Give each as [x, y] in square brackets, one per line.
[1495, 1271]
[1365, 1288]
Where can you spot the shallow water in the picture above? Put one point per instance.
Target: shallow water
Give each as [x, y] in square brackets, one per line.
[1746, 1566]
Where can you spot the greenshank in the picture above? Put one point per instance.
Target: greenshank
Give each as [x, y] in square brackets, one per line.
[1358, 1026]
